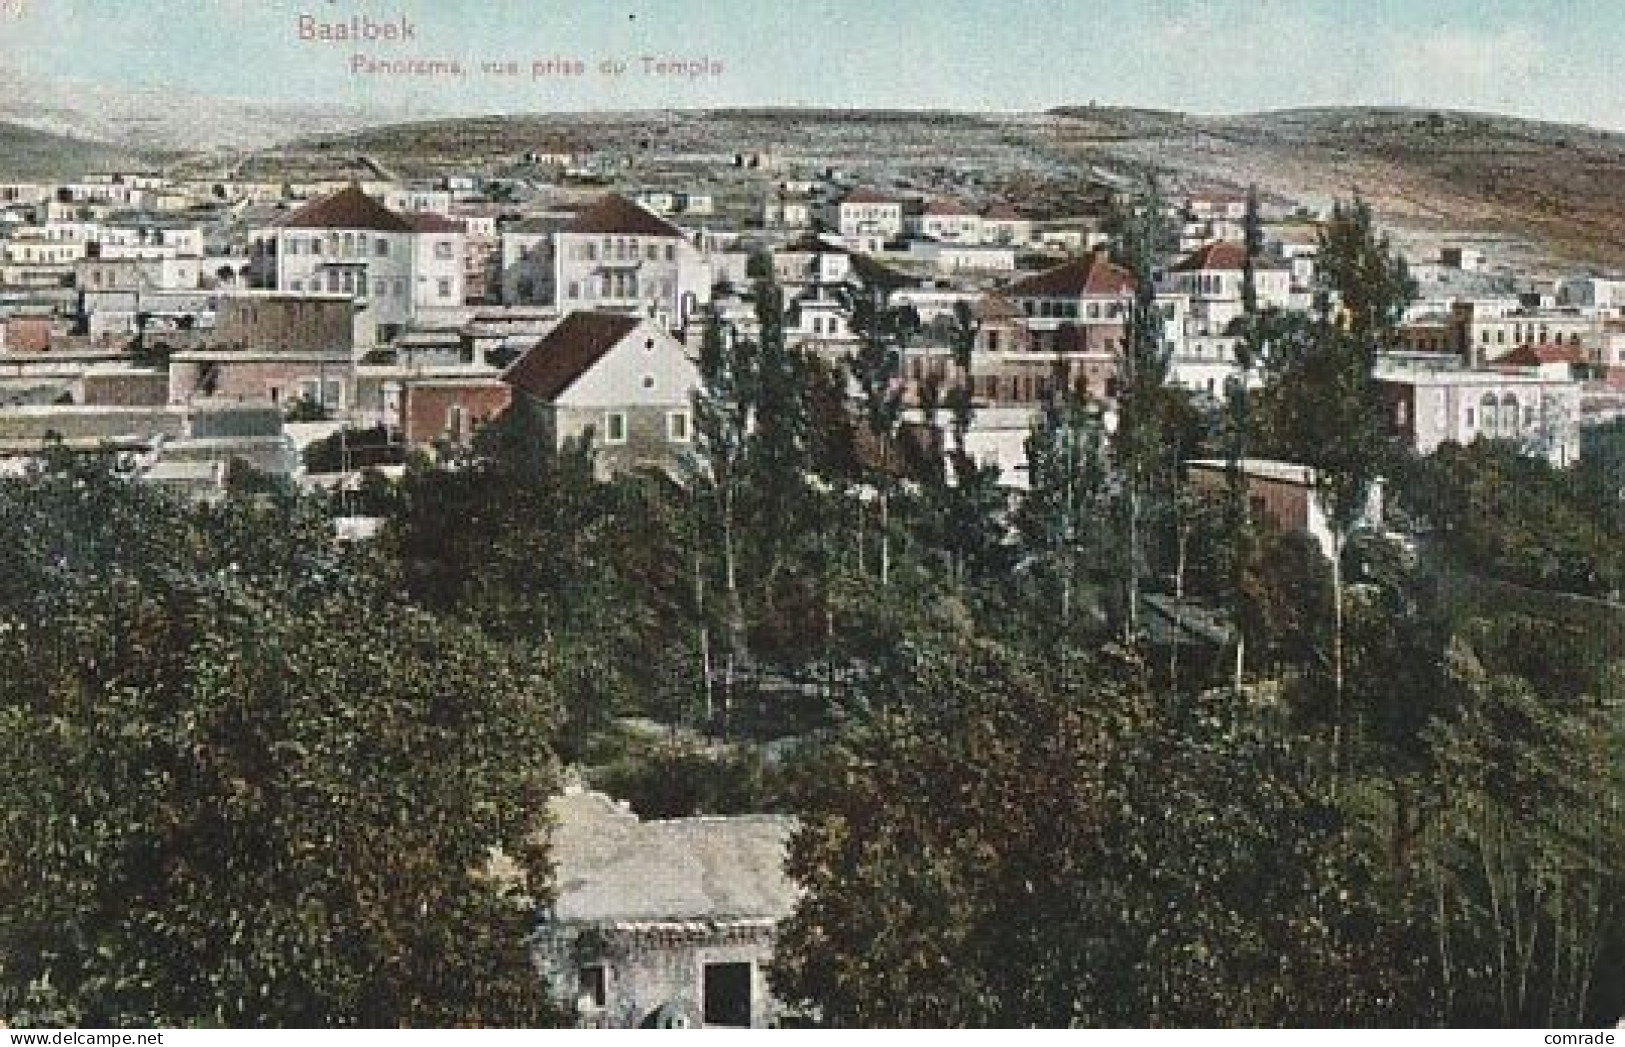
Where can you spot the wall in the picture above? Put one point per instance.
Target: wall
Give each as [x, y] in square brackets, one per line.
[646, 444]
[657, 965]
[286, 322]
[255, 377]
[426, 408]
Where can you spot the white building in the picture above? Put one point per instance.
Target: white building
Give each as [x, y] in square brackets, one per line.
[400, 269]
[1212, 276]
[1539, 413]
[947, 221]
[867, 219]
[616, 256]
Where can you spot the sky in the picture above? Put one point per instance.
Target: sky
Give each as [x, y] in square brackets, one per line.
[1548, 59]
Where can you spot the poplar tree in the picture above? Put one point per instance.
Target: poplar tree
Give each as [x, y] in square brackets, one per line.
[1142, 374]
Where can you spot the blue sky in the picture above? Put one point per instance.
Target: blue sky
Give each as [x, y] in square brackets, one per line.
[1552, 59]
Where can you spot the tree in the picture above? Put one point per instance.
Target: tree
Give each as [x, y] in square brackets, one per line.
[1320, 398]
[249, 788]
[1060, 516]
[1524, 860]
[1237, 431]
[877, 366]
[1079, 869]
[1142, 378]
[964, 504]
[724, 417]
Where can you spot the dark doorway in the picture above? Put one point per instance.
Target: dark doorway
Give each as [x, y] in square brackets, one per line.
[727, 994]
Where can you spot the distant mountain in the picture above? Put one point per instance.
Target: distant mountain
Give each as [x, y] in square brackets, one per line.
[147, 120]
[1533, 190]
[1539, 194]
[28, 155]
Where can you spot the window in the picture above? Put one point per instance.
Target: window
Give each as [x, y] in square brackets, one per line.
[726, 989]
[380, 247]
[442, 250]
[329, 392]
[443, 286]
[615, 428]
[575, 288]
[1469, 417]
[454, 421]
[677, 427]
[594, 982]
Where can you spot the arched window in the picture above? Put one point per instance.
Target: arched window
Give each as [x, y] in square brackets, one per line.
[1509, 415]
[1488, 416]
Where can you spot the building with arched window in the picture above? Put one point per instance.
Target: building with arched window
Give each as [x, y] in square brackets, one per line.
[1538, 412]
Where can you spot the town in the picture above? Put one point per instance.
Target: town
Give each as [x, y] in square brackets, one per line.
[811, 588]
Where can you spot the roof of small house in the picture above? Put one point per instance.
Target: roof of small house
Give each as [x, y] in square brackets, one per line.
[1536, 355]
[616, 215]
[612, 866]
[423, 222]
[868, 196]
[1261, 469]
[1092, 275]
[996, 307]
[349, 208]
[1220, 255]
[1002, 213]
[947, 208]
[556, 362]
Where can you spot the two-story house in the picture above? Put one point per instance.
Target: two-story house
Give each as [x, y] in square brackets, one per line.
[400, 268]
[618, 257]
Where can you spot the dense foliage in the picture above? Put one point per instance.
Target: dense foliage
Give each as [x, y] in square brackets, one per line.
[1113, 750]
[246, 784]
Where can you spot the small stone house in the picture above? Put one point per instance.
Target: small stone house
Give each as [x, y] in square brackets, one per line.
[663, 924]
[620, 382]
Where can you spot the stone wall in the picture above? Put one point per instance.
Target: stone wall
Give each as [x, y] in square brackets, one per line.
[654, 973]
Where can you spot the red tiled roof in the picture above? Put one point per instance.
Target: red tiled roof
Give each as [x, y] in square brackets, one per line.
[433, 223]
[1225, 255]
[947, 207]
[348, 209]
[1535, 355]
[1002, 213]
[555, 363]
[996, 307]
[868, 196]
[615, 214]
[1220, 254]
[1081, 277]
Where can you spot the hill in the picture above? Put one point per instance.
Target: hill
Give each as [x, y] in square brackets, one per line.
[1531, 189]
[157, 119]
[30, 155]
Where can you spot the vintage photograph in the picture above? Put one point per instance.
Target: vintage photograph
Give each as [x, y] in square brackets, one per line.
[854, 514]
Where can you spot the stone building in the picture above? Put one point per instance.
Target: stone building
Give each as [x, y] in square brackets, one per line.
[663, 924]
[621, 383]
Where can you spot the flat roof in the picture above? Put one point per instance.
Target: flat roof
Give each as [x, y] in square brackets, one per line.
[1262, 469]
